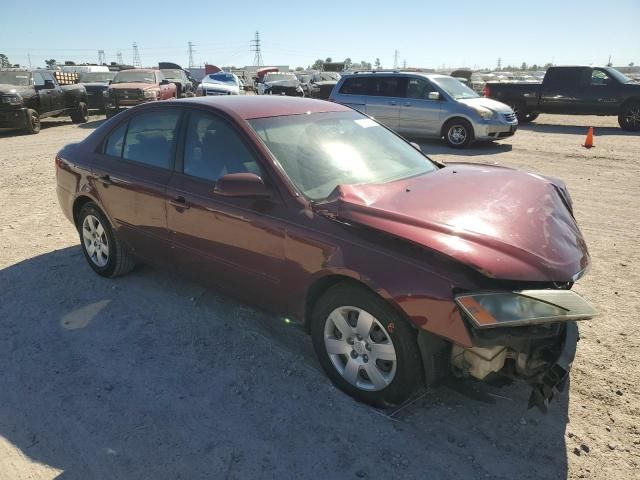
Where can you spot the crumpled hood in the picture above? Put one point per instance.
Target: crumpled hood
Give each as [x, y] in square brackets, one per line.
[6, 89]
[487, 103]
[282, 83]
[504, 223]
[220, 86]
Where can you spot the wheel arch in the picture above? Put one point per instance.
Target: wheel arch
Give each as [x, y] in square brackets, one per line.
[80, 202]
[457, 116]
[630, 100]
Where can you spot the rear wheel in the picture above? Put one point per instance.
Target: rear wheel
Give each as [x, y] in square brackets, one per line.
[363, 345]
[102, 249]
[458, 133]
[81, 113]
[522, 112]
[33, 122]
[629, 117]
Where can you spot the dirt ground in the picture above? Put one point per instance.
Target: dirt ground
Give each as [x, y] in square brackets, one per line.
[150, 376]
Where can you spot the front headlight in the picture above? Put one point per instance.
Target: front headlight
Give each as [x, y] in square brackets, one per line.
[12, 99]
[150, 94]
[485, 113]
[106, 93]
[526, 307]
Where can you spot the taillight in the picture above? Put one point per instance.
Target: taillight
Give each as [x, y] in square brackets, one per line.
[486, 91]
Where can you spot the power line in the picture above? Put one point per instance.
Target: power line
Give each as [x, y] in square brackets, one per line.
[136, 56]
[119, 58]
[255, 47]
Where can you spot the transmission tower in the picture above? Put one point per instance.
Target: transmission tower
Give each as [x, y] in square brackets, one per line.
[119, 58]
[136, 56]
[191, 52]
[101, 59]
[499, 63]
[255, 48]
[395, 60]
[404, 64]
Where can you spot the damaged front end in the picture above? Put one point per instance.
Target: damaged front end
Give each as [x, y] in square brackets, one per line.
[528, 335]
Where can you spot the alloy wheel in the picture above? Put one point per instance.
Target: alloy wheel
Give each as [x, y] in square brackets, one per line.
[96, 242]
[359, 348]
[457, 134]
[632, 117]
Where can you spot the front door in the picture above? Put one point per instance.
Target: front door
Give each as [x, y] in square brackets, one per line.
[44, 94]
[55, 94]
[603, 95]
[419, 115]
[385, 98]
[235, 244]
[131, 176]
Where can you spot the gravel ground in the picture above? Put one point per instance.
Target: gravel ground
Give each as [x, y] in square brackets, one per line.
[151, 376]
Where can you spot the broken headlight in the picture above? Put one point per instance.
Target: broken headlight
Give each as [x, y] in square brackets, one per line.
[526, 307]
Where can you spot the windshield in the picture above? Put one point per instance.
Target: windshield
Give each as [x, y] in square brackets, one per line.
[325, 77]
[130, 76]
[20, 79]
[88, 77]
[172, 74]
[272, 77]
[320, 151]
[621, 77]
[454, 88]
[227, 78]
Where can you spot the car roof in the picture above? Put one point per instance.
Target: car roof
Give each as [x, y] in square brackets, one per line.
[392, 73]
[249, 107]
[143, 70]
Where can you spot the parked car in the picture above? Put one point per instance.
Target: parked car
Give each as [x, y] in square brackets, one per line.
[417, 104]
[133, 87]
[575, 91]
[280, 83]
[182, 79]
[221, 83]
[318, 85]
[96, 83]
[402, 269]
[26, 96]
[85, 68]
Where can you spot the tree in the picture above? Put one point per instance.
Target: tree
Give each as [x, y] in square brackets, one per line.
[318, 64]
[523, 66]
[347, 63]
[547, 65]
[328, 60]
[4, 61]
[534, 67]
[299, 69]
[631, 64]
[364, 65]
[51, 63]
[378, 65]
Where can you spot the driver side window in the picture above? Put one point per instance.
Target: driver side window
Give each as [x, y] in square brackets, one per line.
[419, 88]
[38, 79]
[598, 77]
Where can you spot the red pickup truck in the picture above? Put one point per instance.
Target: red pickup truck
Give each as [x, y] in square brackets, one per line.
[133, 87]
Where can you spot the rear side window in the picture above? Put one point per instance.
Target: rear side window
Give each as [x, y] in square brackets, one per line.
[113, 145]
[564, 77]
[389, 87]
[356, 85]
[419, 88]
[150, 138]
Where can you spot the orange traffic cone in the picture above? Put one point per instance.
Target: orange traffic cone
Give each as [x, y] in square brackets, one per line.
[588, 143]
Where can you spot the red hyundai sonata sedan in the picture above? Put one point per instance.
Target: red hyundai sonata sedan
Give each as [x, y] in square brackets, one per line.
[403, 270]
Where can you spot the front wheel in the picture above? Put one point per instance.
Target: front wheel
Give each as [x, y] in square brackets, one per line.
[81, 113]
[629, 117]
[102, 250]
[365, 348]
[33, 122]
[522, 112]
[458, 133]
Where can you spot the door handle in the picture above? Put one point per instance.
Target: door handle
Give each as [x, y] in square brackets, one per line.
[392, 102]
[179, 202]
[407, 104]
[105, 180]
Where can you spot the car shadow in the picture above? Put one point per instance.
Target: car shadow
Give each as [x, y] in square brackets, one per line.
[483, 148]
[574, 129]
[151, 376]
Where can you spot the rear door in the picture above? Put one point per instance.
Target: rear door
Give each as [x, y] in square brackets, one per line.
[353, 91]
[418, 114]
[563, 90]
[385, 98]
[131, 174]
[235, 244]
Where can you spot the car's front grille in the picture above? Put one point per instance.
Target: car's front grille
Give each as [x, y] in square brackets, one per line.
[213, 91]
[509, 117]
[130, 94]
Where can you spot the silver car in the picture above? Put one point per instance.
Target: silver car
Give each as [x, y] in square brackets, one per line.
[426, 105]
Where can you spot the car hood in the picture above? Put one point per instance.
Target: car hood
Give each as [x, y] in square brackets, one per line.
[282, 83]
[7, 89]
[504, 223]
[221, 86]
[487, 103]
[133, 85]
[95, 85]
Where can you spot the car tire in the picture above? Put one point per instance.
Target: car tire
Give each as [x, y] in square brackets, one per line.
[81, 113]
[381, 367]
[629, 117]
[458, 133]
[522, 112]
[33, 122]
[103, 251]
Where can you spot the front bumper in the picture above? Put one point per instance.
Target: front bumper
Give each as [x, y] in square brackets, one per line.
[14, 118]
[494, 129]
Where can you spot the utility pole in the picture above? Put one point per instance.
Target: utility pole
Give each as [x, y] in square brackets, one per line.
[499, 64]
[136, 56]
[404, 64]
[395, 59]
[29, 57]
[119, 58]
[101, 58]
[191, 52]
[255, 48]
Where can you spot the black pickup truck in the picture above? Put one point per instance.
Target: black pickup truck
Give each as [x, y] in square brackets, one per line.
[575, 91]
[26, 96]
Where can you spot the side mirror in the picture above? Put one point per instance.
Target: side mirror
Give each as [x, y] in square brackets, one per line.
[241, 185]
[49, 85]
[110, 82]
[164, 82]
[434, 95]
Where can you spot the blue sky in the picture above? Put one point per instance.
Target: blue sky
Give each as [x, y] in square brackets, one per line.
[428, 34]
